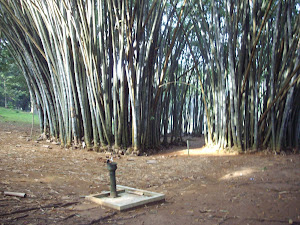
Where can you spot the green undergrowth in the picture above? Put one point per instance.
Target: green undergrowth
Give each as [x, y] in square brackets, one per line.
[14, 115]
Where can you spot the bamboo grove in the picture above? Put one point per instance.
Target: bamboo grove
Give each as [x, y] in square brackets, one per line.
[132, 73]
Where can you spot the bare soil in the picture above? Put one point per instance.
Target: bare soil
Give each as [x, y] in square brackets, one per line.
[206, 187]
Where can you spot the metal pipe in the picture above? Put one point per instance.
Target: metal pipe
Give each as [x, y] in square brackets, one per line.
[112, 166]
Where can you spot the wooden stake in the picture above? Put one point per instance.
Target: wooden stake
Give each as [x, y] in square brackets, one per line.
[17, 194]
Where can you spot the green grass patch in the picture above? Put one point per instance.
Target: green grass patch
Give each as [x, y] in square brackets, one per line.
[14, 115]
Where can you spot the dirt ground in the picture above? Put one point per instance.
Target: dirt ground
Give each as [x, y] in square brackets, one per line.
[205, 187]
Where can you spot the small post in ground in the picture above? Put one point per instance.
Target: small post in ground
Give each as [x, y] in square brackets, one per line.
[112, 166]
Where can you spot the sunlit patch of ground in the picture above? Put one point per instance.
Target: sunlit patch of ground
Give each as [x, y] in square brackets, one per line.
[239, 173]
[196, 146]
[205, 150]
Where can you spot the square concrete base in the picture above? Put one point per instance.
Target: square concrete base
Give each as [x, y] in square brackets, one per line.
[128, 198]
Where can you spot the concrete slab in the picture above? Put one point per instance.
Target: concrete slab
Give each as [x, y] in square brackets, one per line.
[128, 198]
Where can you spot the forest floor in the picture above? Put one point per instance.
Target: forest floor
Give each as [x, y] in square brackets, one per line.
[207, 187]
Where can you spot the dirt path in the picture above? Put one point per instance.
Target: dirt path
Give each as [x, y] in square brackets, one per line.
[203, 188]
